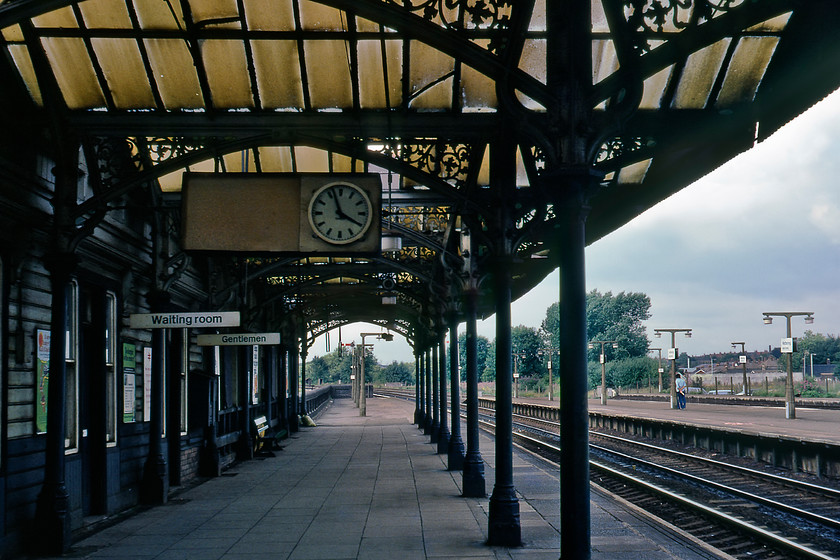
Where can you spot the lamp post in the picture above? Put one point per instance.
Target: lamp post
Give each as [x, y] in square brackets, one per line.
[659, 366]
[743, 360]
[787, 348]
[592, 344]
[549, 352]
[516, 372]
[673, 354]
[362, 392]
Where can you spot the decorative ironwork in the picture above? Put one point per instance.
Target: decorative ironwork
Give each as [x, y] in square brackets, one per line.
[447, 161]
[658, 16]
[423, 219]
[619, 147]
[462, 14]
[116, 158]
[163, 149]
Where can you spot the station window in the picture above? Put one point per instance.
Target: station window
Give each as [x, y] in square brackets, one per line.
[111, 368]
[71, 360]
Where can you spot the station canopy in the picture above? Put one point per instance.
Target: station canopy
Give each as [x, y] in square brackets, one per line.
[416, 91]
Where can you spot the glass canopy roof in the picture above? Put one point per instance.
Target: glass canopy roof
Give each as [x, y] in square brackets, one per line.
[416, 90]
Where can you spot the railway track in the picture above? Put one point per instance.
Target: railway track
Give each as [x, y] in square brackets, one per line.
[743, 512]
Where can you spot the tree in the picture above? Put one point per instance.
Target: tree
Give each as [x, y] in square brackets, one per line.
[618, 318]
[825, 349]
[396, 372]
[481, 344]
[608, 317]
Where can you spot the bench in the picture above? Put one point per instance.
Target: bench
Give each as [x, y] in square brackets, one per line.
[264, 442]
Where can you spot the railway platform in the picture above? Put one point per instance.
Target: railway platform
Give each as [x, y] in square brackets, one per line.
[811, 424]
[370, 488]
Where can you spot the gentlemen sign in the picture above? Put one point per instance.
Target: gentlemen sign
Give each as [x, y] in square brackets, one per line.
[184, 320]
[242, 339]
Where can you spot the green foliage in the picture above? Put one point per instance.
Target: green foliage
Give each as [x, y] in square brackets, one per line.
[608, 317]
[638, 371]
[395, 372]
[617, 317]
[825, 349]
[481, 344]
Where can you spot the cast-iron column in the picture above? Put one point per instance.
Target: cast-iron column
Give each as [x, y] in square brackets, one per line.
[155, 485]
[418, 402]
[294, 361]
[443, 433]
[435, 430]
[245, 363]
[427, 381]
[574, 412]
[473, 476]
[504, 526]
[52, 509]
[303, 353]
[455, 452]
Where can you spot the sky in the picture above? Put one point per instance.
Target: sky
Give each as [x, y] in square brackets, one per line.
[760, 233]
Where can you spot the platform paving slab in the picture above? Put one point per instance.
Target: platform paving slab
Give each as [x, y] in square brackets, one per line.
[368, 488]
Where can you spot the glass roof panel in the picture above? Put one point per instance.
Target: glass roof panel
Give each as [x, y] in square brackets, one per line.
[125, 73]
[62, 18]
[23, 62]
[276, 159]
[74, 73]
[227, 73]
[206, 12]
[240, 162]
[746, 69]
[371, 74]
[599, 18]
[478, 92]
[775, 24]
[174, 73]
[699, 75]
[317, 17]
[311, 160]
[329, 84]
[654, 88]
[152, 16]
[344, 164]
[538, 17]
[104, 14]
[279, 84]
[533, 58]
[269, 15]
[171, 182]
[634, 173]
[604, 60]
[13, 34]
[430, 80]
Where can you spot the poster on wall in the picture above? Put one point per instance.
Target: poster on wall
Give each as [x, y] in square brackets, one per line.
[42, 376]
[147, 384]
[129, 360]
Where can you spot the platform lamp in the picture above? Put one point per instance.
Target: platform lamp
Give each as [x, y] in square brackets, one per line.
[387, 337]
[787, 348]
[673, 354]
[743, 359]
[549, 352]
[603, 359]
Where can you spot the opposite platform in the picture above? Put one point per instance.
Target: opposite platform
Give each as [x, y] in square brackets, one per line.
[810, 424]
[369, 488]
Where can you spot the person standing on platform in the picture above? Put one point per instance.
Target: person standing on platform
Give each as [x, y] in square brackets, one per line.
[680, 383]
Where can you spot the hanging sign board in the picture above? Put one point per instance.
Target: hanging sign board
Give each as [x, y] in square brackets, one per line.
[240, 339]
[787, 346]
[184, 320]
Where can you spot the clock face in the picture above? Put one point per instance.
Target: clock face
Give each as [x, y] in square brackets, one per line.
[340, 213]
